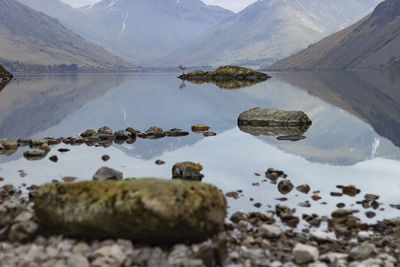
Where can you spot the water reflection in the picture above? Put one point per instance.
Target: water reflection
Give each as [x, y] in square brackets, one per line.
[341, 147]
[231, 84]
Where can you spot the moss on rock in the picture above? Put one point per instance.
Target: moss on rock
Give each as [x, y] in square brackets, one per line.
[149, 211]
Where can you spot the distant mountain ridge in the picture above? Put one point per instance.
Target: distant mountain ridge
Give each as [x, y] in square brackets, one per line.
[269, 30]
[371, 43]
[142, 31]
[32, 41]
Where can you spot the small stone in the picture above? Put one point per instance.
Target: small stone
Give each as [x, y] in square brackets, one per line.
[304, 188]
[316, 197]
[341, 213]
[53, 158]
[351, 190]
[1, 179]
[306, 204]
[340, 205]
[323, 236]
[77, 260]
[176, 133]
[63, 150]
[187, 171]
[305, 253]
[106, 173]
[269, 231]
[285, 187]
[9, 144]
[45, 147]
[371, 197]
[363, 252]
[89, 133]
[122, 135]
[34, 154]
[105, 157]
[363, 235]
[69, 179]
[105, 130]
[200, 128]
[234, 195]
[370, 214]
[257, 205]
[160, 162]
[207, 134]
[336, 194]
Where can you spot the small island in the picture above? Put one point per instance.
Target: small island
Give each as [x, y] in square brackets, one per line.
[227, 77]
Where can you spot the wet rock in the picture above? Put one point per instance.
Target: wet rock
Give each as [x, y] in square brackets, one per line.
[35, 154]
[363, 252]
[336, 194]
[370, 214]
[122, 135]
[176, 133]
[285, 187]
[371, 197]
[271, 122]
[208, 134]
[159, 162]
[63, 150]
[269, 231]
[89, 133]
[305, 254]
[105, 130]
[76, 140]
[316, 197]
[351, 190]
[274, 174]
[106, 173]
[304, 188]
[9, 144]
[105, 158]
[153, 132]
[53, 158]
[187, 171]
[341, 213]
[200, 128]
[234, 195]
[148, 211]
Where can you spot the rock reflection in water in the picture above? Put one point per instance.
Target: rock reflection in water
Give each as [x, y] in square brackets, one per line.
[284, 133]
[232, 84]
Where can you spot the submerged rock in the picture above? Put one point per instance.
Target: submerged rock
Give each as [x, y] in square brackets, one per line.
[187, 171]
[147, 211]
[106, 173]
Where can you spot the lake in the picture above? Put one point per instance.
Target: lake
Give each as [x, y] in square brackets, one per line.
[354, 138]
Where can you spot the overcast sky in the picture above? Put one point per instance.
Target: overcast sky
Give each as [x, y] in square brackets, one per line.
[234, 5]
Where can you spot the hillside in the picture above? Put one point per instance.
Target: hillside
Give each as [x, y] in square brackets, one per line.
[269, 30]
[142, 31]
[371, 43]
[32, 41]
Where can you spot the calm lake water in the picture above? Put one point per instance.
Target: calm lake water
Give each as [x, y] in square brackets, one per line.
[354, 138]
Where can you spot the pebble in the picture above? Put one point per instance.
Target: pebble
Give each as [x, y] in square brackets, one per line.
[304, 188]
[285, 187]
[159, 162]
[53, 158]
[269, 231]
[305, 253]
[363, 252]
[105, 158]
[200, 128]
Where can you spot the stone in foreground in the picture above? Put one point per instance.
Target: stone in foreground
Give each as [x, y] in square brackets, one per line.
[187, 171]
[305, 254]
[106, 173]
[148, 211]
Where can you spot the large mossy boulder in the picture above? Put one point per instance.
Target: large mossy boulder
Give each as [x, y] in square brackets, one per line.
[227, 77]
[148, 211]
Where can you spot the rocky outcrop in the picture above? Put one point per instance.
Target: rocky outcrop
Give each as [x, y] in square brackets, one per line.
[5, 75]
[271, 122]
[228, 77]
[147, 211]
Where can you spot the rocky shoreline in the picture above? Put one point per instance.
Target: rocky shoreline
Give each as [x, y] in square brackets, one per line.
[248, 239]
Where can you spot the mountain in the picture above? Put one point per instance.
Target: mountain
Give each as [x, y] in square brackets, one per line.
[269, 30]
[371, 43]
[32, 41]
[69, 17]
[142, 31]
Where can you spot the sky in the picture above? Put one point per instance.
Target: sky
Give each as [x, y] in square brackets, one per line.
[234, 5]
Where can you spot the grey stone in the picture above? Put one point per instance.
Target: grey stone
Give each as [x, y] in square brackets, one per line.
[23, 231]
[9, 143]
[106, 173]
[363, 252]
[76, 260]
[305, 253]
[269, 231]
[304, 188]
